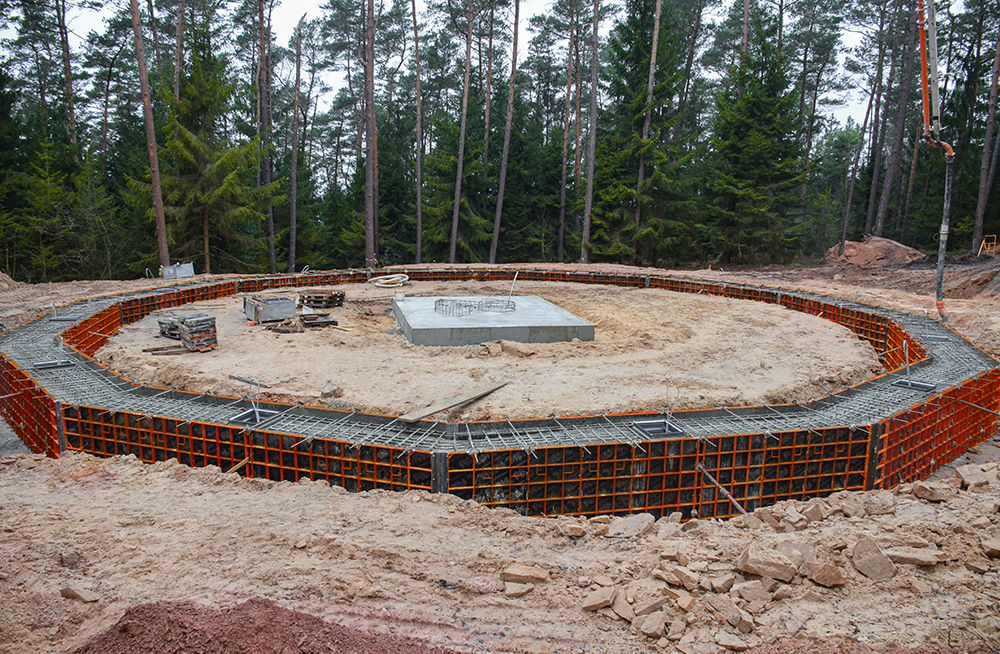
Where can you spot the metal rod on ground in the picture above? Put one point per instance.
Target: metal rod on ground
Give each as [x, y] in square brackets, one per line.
[700, 468]
[239, 465]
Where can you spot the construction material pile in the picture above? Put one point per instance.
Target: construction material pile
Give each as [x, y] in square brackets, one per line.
[321, 299]
[198, 332]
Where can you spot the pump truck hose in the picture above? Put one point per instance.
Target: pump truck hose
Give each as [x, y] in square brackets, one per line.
[390, 281]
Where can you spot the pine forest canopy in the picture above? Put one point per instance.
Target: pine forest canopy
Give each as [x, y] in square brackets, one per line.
[650, 132]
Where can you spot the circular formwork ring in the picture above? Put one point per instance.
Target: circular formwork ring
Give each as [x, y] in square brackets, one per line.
[615, 455]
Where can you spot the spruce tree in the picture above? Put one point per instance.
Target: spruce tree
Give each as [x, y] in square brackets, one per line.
[755, 158]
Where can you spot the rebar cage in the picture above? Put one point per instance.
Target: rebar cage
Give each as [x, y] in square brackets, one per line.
[871, 435]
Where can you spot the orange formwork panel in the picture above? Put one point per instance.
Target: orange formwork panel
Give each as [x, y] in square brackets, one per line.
[661, 476]
[917, 442]
[90, 335]
[267, 455]
[658, 476]
[28, 409]
[288, 457]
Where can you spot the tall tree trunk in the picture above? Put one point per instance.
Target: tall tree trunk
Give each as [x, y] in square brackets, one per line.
[993, 164]
[900, 128]
[985, 181]
[688, 65]
[812, 122]
[107, 101]
[370, 201]
[336, 159]
[264, 93]
[154, 163]
[588, 201]
[420, 138]
[577, 152]
[156, 41]
[909, 189]
[461, 141]
[204, 238]
[67, 72]
[746, 26]
[179, 47]
[565, 147]
[506, 139]
[293, 182]
[853, 174]
[880, 118]
[647, 119]
[489, 87]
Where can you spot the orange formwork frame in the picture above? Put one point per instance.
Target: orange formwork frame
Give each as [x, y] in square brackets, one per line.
[659, 476]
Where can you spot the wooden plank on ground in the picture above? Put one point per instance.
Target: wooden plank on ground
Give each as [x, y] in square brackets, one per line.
[458, 400]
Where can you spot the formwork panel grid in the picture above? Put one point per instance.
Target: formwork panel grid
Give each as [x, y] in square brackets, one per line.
[286, 457]
[28, 409]
[919, 441]
[592, 480]
[90, 335]
[582, 466]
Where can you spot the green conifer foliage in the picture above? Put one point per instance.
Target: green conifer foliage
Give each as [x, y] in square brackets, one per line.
[755, 158]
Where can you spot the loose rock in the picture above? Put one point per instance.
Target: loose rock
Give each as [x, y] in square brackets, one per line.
[524, 574]
[630, 526]
[600, 598]
[871, 562]
[758, 560]
[79, 594]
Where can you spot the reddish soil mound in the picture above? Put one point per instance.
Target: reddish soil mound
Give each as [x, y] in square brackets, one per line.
[257, 626]
[874, 252]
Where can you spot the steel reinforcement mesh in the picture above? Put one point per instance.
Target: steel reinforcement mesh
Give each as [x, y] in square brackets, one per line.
[662, 476]
[868, 436]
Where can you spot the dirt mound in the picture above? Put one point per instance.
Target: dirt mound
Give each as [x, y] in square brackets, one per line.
[874, 252]
[6, 283]
[255, 626]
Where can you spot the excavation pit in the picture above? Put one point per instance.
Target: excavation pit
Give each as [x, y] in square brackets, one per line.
[532, 320]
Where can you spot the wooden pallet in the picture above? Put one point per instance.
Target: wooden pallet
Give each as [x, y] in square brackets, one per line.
[321, 300]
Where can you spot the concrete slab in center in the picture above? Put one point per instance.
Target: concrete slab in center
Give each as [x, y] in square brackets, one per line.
[534, 320]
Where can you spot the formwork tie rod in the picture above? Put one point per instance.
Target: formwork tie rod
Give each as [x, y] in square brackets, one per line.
[700, 468]
[974, 406]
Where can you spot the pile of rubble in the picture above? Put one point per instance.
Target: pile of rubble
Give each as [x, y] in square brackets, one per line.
[703, 596]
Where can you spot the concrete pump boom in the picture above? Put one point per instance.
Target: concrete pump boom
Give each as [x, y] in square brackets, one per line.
[927, 27]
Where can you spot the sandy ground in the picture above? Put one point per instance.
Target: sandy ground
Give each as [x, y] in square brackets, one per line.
[653, 348]
[431, 567]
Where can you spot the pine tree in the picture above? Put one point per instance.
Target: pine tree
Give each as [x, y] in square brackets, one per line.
[755, 157]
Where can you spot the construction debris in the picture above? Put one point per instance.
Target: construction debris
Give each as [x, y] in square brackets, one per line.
[287, 326]
[451, 402]
[321, 299]
[198, 332]
[317, 320]
[269, 309]
[170, 326]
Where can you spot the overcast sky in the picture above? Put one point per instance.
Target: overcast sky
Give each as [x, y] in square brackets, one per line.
[285, 18]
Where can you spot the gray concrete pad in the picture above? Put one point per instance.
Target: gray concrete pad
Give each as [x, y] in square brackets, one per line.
[534, 320]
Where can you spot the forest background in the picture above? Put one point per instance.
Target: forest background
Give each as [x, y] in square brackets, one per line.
[651, 132]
